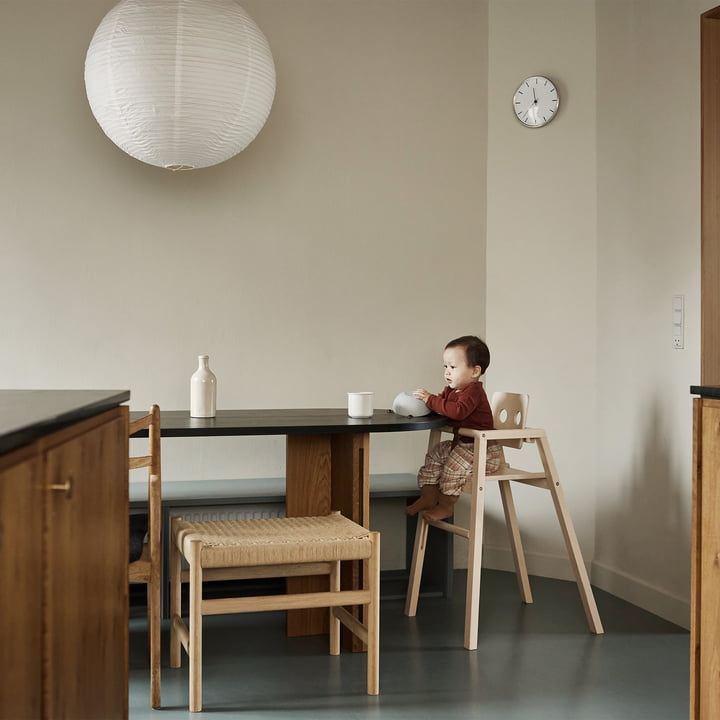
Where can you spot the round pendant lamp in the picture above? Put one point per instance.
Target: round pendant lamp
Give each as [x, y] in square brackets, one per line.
[180, 84]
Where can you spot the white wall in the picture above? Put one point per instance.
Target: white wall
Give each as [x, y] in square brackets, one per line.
[541, 266]
[648, 250]
[373, 165]
[338, 252]
[593, 226]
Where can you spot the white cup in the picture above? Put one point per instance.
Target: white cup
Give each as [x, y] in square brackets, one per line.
[360, 404]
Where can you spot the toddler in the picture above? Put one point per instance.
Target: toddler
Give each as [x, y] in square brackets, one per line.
[464, 402]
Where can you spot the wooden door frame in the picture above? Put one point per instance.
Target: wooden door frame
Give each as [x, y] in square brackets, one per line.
[710, 197]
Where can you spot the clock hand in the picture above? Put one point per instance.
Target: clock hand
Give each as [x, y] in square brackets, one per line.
[534, 98]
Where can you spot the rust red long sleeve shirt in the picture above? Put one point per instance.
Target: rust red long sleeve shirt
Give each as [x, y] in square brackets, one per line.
[468, 408]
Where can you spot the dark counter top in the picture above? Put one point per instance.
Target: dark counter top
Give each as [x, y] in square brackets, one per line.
[26, 415]
[706, 391]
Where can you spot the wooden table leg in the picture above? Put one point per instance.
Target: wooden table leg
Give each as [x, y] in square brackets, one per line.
[307, 492]
[324, 473]
[351, 495]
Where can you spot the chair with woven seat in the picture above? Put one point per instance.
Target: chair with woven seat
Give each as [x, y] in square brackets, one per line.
[270, 548]
[145, 541]
[509, 414]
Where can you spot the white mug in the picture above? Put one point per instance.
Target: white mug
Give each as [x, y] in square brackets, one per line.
[360, 404]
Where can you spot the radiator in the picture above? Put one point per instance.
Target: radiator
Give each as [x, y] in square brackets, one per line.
[204, 513]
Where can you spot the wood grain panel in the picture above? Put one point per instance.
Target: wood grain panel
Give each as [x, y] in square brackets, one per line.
[21, 594]
[307, 472]
[706, 591]
[695, 574]
[86, 538]
[710, 212]
[351, 496]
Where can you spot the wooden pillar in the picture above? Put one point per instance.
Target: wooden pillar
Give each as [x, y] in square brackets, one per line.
[710, 213]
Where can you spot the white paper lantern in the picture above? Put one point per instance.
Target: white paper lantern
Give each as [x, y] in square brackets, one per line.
[180, 84]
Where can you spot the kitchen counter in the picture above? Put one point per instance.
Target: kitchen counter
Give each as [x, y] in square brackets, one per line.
[706, 391]
[26, 415]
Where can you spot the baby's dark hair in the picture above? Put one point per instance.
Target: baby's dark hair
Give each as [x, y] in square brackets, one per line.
[476, 351]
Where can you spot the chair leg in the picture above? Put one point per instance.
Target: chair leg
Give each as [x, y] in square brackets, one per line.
[334, 621]
[472, 591]
[153, 601]
[513, 529]
[571, 541]
[372, 571]
[416, 566]
[195, 639]
[175, 608]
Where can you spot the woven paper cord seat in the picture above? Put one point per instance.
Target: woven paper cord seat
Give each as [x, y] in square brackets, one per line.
[274, 547]
[275, 541]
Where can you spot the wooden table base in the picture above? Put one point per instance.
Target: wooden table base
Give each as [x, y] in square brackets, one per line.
[326, 473]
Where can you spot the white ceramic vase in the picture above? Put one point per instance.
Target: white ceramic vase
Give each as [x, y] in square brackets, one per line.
[203, 389]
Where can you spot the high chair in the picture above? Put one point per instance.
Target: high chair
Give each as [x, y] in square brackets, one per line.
[268, 548]
[509, 414]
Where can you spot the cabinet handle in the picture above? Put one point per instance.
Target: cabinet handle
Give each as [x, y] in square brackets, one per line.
[66, 487]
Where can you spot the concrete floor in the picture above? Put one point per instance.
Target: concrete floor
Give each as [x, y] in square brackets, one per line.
[534, 662]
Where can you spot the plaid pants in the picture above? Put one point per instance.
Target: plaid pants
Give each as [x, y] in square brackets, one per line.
[450, 467]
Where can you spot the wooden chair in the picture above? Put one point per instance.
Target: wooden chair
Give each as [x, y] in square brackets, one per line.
[268, 548]
[509, 413]
[147, 568]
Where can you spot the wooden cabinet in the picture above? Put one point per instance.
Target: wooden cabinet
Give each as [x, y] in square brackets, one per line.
[20, 586]
[705, 591]
[63, 565]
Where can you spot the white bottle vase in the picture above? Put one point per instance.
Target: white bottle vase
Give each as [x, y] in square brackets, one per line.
[203, 390]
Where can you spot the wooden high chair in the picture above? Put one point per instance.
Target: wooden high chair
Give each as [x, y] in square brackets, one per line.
[509, 413]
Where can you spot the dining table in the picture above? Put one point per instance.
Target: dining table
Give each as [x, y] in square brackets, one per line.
[327, 467]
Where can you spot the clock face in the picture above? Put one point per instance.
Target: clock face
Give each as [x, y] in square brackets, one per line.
[536, 101]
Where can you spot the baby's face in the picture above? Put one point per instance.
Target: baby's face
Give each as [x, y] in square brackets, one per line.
[458, 373]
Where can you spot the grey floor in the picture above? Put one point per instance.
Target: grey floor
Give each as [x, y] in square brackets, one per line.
[534, 662]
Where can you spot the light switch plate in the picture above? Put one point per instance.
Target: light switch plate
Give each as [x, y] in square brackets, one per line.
[678, 322]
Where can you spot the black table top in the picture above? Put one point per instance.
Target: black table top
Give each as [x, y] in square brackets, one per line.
[26, 415]
[308, 421]
[706, 391]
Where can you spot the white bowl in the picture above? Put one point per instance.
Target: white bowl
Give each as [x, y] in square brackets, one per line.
[406, 404]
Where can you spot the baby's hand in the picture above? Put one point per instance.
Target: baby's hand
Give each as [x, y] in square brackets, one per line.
[421, 395]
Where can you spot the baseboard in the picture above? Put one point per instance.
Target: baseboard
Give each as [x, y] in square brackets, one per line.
[659, 602]
[615, 582]
[551, 566]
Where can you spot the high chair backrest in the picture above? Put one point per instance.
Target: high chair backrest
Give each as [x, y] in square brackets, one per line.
[509, 413]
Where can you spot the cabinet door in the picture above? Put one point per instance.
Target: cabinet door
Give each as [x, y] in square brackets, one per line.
[86, 582]
[20, 588]
[705, 597]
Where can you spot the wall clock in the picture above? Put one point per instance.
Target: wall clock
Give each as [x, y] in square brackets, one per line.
[536, 101]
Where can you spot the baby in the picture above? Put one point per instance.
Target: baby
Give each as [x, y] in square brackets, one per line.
[464, 402]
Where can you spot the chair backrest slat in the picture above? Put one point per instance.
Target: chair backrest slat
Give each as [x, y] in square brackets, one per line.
[510, 413]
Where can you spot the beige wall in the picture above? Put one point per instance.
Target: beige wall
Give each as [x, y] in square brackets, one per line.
[648, 251]
[372, 172]
[338, 252]
[541, 266]
[593, 226]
